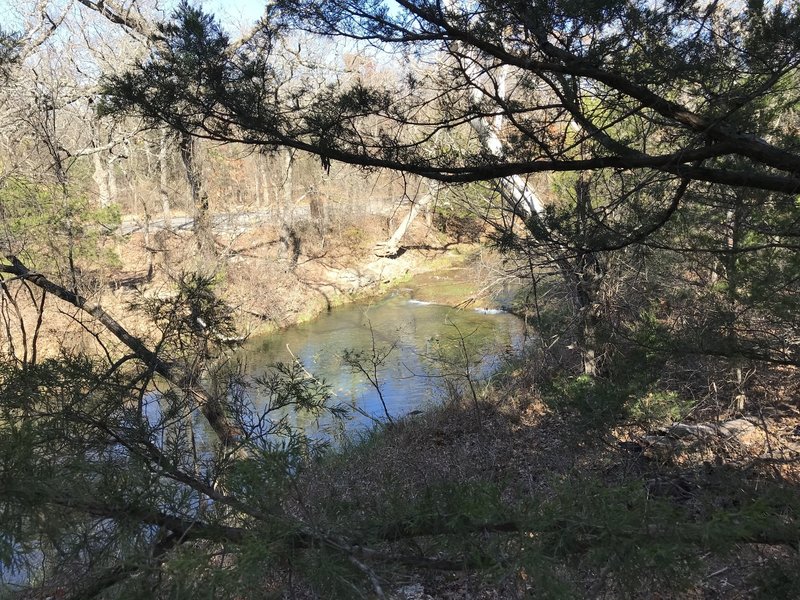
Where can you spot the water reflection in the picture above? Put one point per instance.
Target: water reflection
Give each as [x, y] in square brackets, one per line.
[428, 343]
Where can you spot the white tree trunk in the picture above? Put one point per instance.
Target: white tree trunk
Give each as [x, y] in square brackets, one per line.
[517, 194]
[290, 241]
[582, 274]
[391, 247]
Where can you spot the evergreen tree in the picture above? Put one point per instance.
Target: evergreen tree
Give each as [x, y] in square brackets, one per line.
[670, 117]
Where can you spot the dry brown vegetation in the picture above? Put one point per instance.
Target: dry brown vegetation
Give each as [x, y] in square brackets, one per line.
[530, 454]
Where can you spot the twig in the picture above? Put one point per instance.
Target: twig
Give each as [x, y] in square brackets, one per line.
[376, 584]
[717, 572]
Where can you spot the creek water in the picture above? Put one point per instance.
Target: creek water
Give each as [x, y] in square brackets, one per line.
[431, 343]
[430, 348]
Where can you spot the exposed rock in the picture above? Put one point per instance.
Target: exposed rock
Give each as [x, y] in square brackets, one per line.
[659, 447]
[736, 428]
[413, 591]
[630, 446]
[666, 442]
[387, 250]
[685, 430]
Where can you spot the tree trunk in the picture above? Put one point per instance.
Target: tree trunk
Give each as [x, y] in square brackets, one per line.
[101, 178]
[148, 244]
[290, 241]
[262, 180]
[734, 218]
[586, 307]
[103, 161]
[199, 197]
[163, 177]
[391, 247]
[318, 209]
[733, 225]
[49, 136]
[587, 277]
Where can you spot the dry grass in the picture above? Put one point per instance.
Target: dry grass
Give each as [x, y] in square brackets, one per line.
[527, 451]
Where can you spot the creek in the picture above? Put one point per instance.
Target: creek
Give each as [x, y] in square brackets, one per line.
[432, 349]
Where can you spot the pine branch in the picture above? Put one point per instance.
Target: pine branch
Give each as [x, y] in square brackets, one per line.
[210, 406]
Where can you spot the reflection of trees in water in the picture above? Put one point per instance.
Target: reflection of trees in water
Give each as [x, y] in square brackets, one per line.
[429, 348]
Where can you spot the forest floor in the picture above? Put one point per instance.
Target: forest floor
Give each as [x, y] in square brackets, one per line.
[516, 458]
[524, 455]
[582, 499]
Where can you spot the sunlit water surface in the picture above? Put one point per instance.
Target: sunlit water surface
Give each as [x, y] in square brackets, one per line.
[431, 345]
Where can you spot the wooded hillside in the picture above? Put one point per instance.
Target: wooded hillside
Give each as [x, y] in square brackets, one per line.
[635, 164]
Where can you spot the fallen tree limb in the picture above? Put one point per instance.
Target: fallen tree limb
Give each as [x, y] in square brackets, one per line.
[210, 406]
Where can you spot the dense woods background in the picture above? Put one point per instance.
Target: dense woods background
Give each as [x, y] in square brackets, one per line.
[167, 181]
